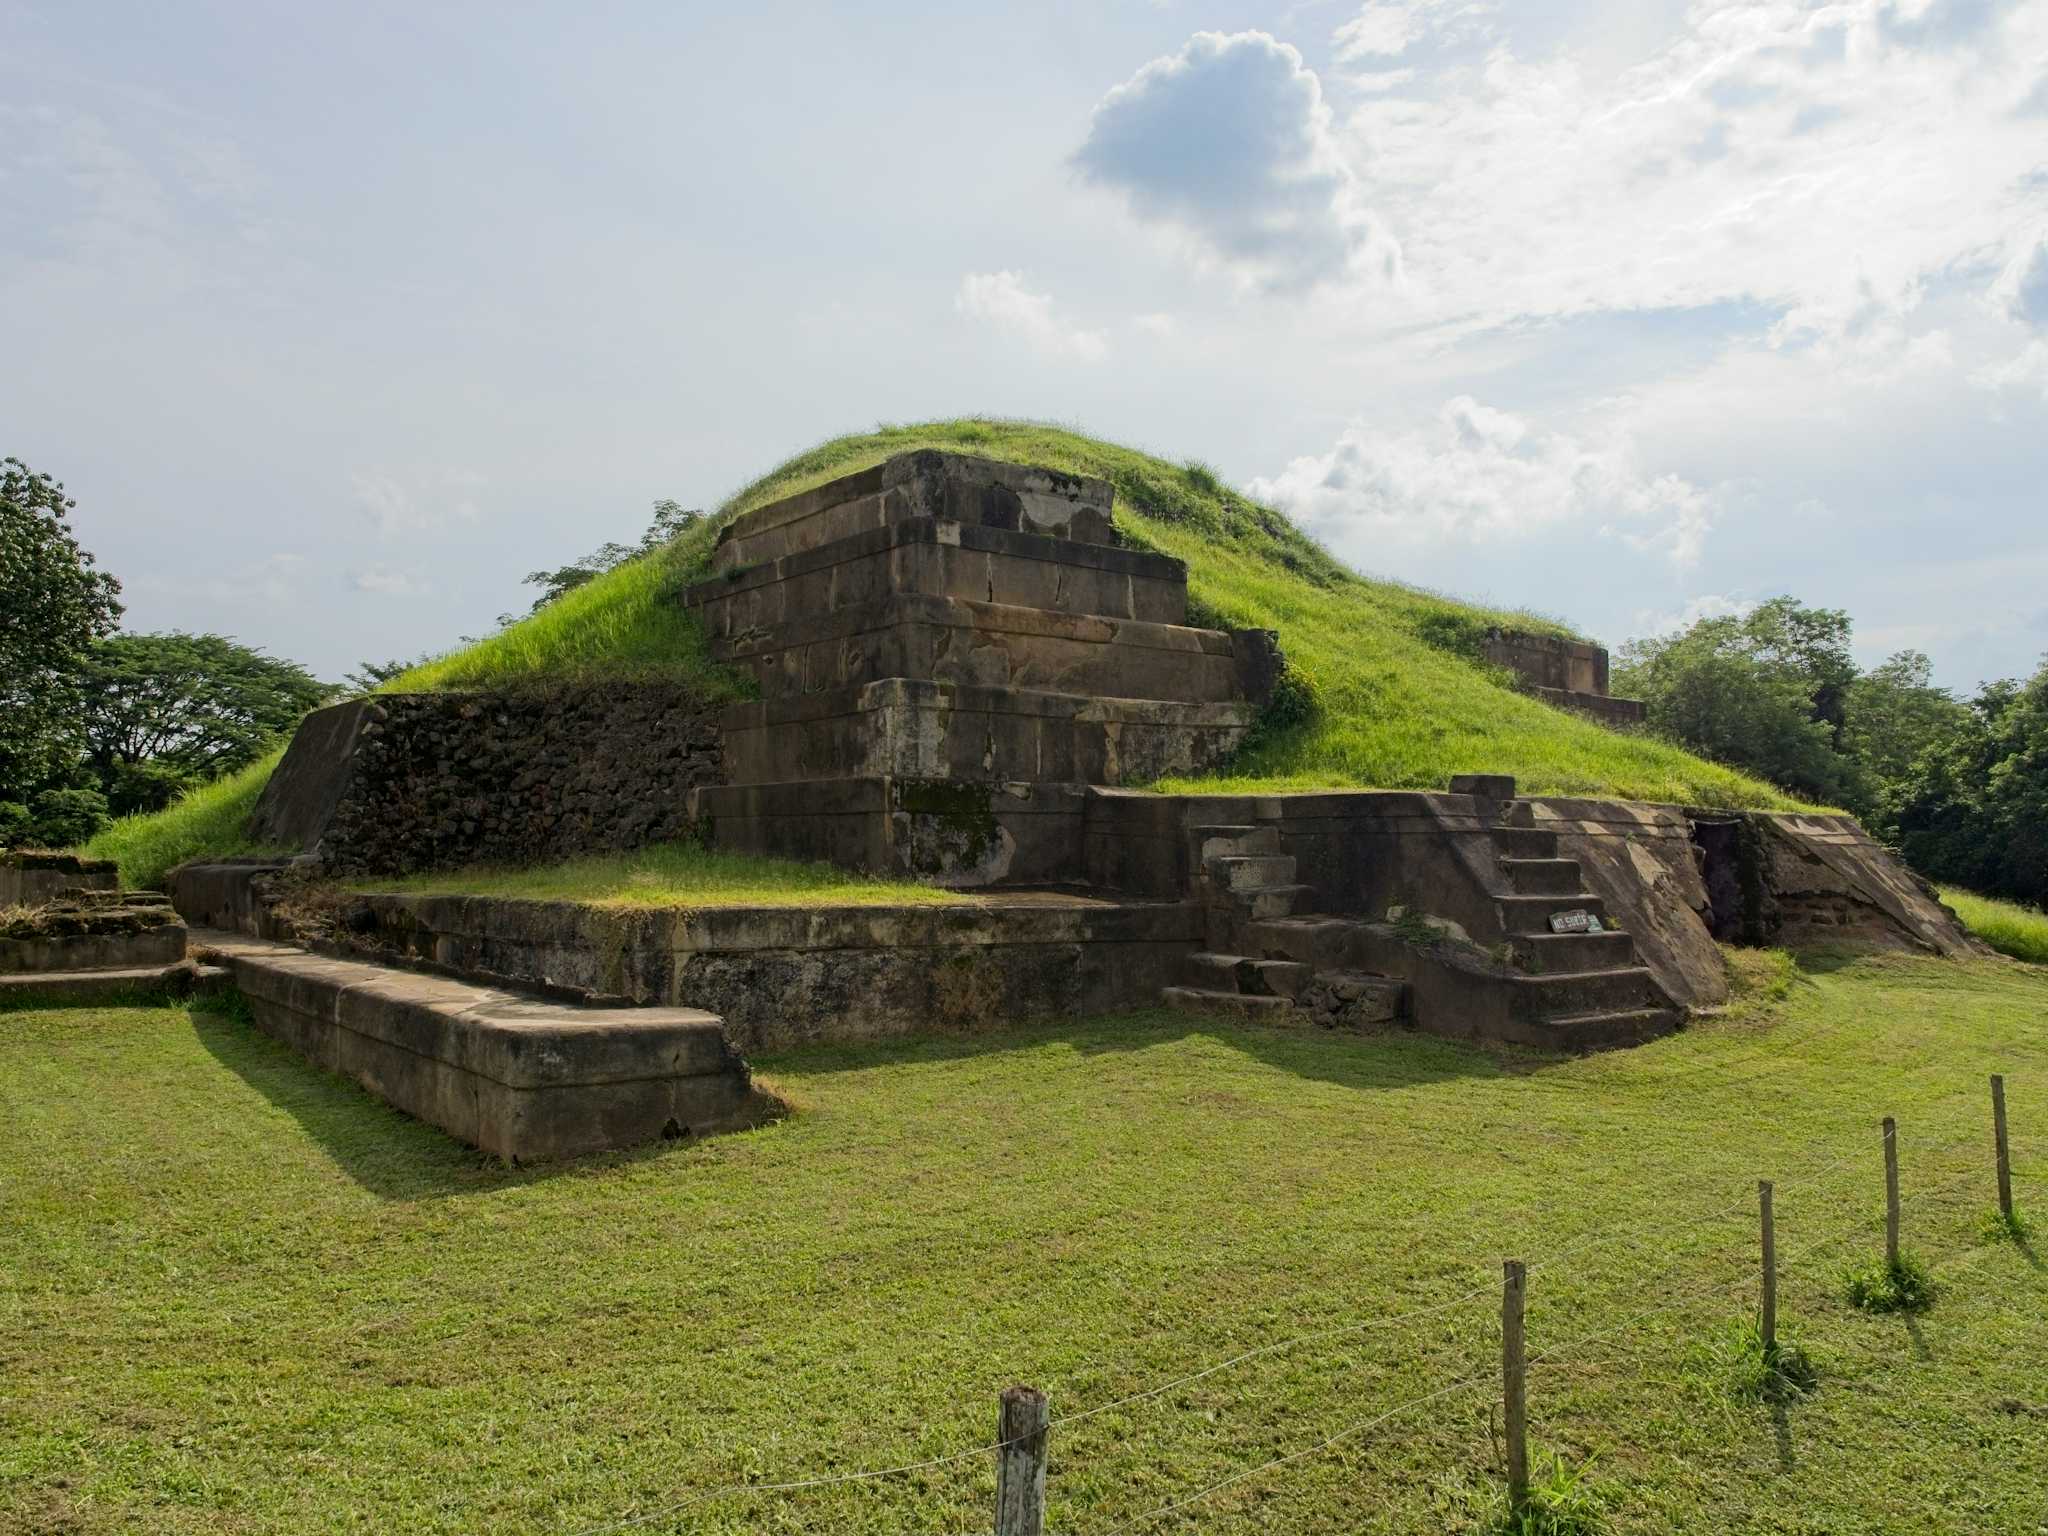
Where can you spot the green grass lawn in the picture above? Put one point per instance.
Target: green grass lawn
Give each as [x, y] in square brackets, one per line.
[676, 875]
[238, 1295]
[2006, 926]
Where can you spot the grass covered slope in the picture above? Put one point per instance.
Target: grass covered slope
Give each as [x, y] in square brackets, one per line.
[241, 1295]
[1406, 701]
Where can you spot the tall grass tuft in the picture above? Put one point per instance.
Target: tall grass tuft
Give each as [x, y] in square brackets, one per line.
[203, 822]
[2007, 927]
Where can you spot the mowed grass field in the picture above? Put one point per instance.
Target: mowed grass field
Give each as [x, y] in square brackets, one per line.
[237, 1295]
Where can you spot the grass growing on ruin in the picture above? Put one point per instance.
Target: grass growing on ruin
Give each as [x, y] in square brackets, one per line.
[206, 821]
[1407, 701]
[238, 1294]
[2006, 926]
[676, 875]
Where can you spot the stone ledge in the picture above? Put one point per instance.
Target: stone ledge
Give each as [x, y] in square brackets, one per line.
[909, 728]
[928, 483]
[523, 1079]
[957, 640]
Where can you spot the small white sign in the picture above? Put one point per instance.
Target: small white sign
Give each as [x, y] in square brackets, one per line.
[1575, 921]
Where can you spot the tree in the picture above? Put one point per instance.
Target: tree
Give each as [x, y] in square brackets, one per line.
[1894, 714]
[670, 519]
[1973, 809]
[163, 711]
[1764, 691]
[53, 606]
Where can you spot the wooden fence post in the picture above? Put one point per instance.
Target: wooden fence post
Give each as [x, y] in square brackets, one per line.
[2004, 1150]
[1020, 1464]
[1769, 1327]
[1514, 1382]
[1891, 1192]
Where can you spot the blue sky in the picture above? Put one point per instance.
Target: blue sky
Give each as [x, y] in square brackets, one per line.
[338, 320]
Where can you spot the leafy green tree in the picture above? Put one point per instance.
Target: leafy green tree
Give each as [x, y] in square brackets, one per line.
[161, 711]
[1765, 691]
[66, 817]
[53, 606]
[1973, 809]
[1894, 714]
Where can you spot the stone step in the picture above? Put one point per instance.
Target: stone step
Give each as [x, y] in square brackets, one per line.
[1544, 877]
[1324, 943]
[1601, 1030]
[109, 984]
[1531, 914]
[1254, 978]
[1550, 954]
[1238, 1004]
[1243, 872]
[1573, 992]
[523, 1077]
[1524, 842]
[1274, 901]
[1216, 842]
[1353, 999]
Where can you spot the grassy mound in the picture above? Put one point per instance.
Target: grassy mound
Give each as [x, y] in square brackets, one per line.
[1405, 698]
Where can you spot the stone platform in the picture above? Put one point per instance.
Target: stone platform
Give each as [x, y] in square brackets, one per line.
[518, 1076]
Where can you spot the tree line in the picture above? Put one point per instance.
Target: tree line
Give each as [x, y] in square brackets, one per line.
[95, 723]
[1958, 785]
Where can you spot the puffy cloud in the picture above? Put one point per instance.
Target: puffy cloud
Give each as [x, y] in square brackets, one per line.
[1000, 300]
[1230, 141]
[1477, 474]
[1805, 158]
[394, 506]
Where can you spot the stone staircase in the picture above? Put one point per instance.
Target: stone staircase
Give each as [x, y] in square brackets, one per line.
[1269, 952]
[1266, 957]
[1574, 991]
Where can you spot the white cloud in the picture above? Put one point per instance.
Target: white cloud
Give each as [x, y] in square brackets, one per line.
[1000, 300]
[390, 581]
[1811, 159]
[1160, 325]
[1230, 142]
[418, 503]
[1386, 28]
[1481, 475]
[1708, 605]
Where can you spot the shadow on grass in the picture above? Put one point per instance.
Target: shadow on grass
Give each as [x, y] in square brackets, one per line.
[1396, 1058]
[385, 1150]
[398, 1157]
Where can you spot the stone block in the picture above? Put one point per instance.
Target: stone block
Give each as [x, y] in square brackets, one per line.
[902, 728]
[1549, 661]
[313, 776]
[957, 487]
[950, 833]
[519, 1077]
[1001, 645]
[30, 877]
[943, 559]
[1484, 786]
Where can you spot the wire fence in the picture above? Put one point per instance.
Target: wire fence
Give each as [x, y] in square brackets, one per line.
[1022, 1456]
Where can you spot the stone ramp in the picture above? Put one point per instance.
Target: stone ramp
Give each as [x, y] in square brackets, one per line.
[523, 1078]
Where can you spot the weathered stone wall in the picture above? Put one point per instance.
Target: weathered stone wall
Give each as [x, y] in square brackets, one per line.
[441, 779]
[29, 877]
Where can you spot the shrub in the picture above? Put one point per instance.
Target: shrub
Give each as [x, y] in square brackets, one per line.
[1905, 1286]
[65, 817]
[14, 823]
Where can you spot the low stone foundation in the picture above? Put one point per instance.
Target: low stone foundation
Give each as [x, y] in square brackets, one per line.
[777, 976]
[518, 1077]
[30, 877]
